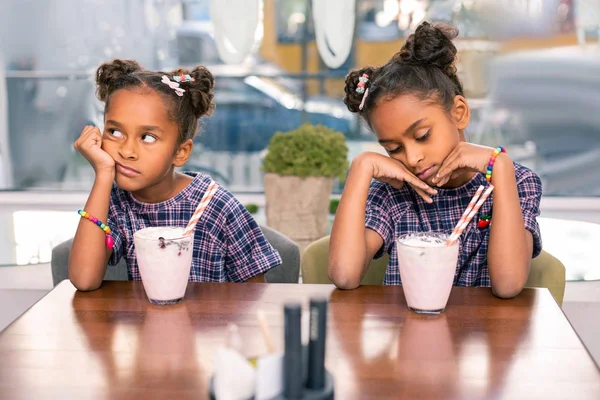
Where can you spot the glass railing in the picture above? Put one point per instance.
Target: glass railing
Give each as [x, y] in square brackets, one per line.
[48, 110]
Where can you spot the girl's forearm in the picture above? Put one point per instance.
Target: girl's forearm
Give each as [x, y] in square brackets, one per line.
[347, 246]
[510, 245]
[89, 255]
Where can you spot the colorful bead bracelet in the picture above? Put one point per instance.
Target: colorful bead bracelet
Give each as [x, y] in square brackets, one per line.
[497, 151]
[109, 240]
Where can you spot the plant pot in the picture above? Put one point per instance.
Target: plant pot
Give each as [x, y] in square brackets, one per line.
[298, 207]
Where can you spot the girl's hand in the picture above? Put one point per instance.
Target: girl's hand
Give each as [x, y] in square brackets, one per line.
[89, 146]
[393, 172]
[466, 157]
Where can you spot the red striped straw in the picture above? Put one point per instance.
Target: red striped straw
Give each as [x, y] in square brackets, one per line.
[469, 214]
[467, 210]
[208, 195]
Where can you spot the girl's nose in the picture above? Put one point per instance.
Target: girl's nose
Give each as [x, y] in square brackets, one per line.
[128, 151]
[413, 157]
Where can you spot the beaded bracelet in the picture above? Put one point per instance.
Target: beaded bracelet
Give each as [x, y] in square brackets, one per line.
[497, 151]
[109, 240]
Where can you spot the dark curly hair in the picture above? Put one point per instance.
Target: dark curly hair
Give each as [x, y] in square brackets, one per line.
[186, 110]
[424, 67]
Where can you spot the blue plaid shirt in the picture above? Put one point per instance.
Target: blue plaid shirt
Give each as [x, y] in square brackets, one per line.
[391, 213]
[229, 246]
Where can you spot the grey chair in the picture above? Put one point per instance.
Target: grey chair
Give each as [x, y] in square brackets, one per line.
[287, 272]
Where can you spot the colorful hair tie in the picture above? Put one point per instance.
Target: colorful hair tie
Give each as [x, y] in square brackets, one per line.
[495, 153]
[362, 88]
[362, 82]
[183, 78]
[109, 240]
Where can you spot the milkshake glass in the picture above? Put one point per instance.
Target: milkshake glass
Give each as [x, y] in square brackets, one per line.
[164, 257]
[427, 267]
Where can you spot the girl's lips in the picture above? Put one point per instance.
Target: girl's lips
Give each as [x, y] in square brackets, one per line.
[425, 174]
[126, 170]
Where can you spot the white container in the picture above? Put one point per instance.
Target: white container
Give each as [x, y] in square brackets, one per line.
[164, 258]
[427, 269]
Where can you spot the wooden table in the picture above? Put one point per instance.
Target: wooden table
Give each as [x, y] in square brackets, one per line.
[113, 344]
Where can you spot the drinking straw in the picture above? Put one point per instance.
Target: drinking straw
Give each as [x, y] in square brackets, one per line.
[462, 223]
[208, 195]
[468, 209]
[264, 327]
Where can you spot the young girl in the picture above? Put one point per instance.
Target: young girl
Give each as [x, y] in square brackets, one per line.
[416, 107]
[150, 120]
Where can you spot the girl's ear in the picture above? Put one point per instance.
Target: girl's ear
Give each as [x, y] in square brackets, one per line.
[461, 114]
[183, 153]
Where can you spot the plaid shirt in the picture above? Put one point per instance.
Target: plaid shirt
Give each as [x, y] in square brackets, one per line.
[229, 246]
[391, 213]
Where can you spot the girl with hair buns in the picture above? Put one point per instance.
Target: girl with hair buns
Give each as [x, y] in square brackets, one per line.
[150, 119]
[416, 107]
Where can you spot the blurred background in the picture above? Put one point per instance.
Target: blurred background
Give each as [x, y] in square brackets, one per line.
[529, 68]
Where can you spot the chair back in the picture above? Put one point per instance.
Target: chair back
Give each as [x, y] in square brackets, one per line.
[315, 259]
[546, 271]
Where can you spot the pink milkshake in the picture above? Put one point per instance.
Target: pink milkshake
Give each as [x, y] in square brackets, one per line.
[164, 257]
[427, 269]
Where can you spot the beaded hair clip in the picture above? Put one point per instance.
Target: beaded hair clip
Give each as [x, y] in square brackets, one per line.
[362, 88]
[174, 84]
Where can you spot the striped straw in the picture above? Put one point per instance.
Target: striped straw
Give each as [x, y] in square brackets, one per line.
[208, 195]
[467, 210]
[470, 213]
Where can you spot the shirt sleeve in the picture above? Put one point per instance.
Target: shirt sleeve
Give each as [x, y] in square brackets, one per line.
[113, 223]
[530, 195]
[377, 216]
[247, 251]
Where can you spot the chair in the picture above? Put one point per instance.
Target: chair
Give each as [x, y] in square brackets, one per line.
[546, 271]
[314, 265]
[287, 272]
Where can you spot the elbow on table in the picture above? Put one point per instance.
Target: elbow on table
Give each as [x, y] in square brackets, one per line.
[84, 285]
[342, 279]
[506, 291]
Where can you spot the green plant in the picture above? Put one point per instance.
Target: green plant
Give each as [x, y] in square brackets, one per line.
[309, 150]
[252, 208]
[333, 205]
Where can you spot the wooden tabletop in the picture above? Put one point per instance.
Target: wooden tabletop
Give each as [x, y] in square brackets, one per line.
[113, 344]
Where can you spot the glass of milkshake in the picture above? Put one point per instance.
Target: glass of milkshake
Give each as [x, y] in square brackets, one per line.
[164, 257]
[427, 267]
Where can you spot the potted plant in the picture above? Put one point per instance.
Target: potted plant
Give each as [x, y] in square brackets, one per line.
[300, 169]
[252, 208]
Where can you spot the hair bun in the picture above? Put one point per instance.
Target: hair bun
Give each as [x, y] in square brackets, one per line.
[201, 90]
[431, 45]
[352, 99]
[109, 73]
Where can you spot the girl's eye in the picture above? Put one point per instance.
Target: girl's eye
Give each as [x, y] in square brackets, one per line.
[148, 138]
[424, 137]
[393, 151]
[115, 133]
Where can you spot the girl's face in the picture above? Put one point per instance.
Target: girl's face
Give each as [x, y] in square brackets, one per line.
[420, 134]
[143, 141]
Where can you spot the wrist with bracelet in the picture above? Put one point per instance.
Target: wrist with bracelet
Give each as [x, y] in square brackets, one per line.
[109, 240]
[490, 167]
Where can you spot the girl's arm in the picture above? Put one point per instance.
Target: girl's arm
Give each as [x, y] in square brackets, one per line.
[89, 255]
[352, 246]
[511, 245]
